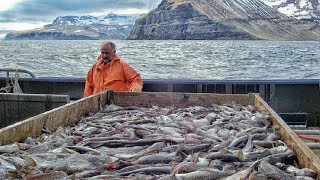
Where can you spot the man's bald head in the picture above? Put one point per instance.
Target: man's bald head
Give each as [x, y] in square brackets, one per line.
[108, 50]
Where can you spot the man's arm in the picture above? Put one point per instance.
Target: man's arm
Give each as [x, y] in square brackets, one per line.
[88, 90]
[133, 77]
[136, 84]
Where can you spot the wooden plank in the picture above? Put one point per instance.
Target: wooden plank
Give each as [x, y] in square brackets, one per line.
[148, 99]
[305, 155]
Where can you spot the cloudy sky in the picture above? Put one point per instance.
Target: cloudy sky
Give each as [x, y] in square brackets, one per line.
[29, 14]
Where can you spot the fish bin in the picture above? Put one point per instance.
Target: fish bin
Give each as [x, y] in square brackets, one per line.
[157, 135]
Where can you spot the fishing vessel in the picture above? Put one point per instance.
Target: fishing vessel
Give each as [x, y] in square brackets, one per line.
[295, 100]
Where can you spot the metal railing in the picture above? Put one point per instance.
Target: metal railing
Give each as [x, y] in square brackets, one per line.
[8, 70]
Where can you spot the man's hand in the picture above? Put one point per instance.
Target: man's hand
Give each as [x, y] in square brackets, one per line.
[134, 90]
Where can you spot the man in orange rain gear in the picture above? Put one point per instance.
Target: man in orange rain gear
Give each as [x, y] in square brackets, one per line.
[111, 73]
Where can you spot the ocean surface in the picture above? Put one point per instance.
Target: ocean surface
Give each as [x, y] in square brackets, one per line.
[190, 60]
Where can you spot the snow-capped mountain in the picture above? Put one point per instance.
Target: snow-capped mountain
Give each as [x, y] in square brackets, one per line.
[221, 19]
[120, 19]
[110, 19]
[300, 9]
[193, 19]
[111, 26]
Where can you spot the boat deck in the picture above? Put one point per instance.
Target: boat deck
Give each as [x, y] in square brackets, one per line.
[312, 133]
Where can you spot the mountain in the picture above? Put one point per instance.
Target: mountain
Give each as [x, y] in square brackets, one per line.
[110, 19]
[221, 19]
[300, 9]
[3, 33]
[112, 26]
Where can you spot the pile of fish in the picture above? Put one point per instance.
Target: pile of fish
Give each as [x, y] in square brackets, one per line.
[217, 142]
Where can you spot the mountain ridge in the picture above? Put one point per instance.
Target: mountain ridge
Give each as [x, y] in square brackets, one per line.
[221, 19]
[111, 26]
[202, 19]
[299, 9]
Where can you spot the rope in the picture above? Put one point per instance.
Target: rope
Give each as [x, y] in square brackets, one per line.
[309, 138]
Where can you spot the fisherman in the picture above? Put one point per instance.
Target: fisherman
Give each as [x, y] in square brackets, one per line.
[111, 73]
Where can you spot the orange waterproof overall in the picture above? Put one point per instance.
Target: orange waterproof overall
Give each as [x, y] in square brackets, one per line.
[116, 75]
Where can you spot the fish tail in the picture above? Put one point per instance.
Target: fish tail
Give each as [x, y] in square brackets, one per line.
[241, 155]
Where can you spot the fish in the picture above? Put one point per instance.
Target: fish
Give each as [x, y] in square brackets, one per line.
[185, 167]
[155, 148]
[244, 173]
[24, 146]
[83, 149]
[272, 171]
[301, 172]
[194, 148]
[148, 170]
[225, 156]
[131, 168]
[87, 174]
[7, 165]
[3, 173]
[258, 175]
[159, 158]
[188, 148]
[79, 162]
[48, 175]
[205, 134]
[249, 145]
[303, 178]
[256, 154]
[238, 141]
[219, 146]
[218, 164]
[29, 160]
[9, 148]
[219, 141]
[203, 174]
[267, 144]
[41, 148]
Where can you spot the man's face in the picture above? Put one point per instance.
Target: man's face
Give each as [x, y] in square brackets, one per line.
[107, 53]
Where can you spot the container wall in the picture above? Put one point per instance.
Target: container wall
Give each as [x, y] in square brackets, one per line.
[17, 107]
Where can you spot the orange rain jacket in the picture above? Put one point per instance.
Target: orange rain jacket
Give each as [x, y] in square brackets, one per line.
[116, 75]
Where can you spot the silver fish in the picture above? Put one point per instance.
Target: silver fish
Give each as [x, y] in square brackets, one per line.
[203, 174]
[148, 170]
[272, 171]
[160, 158]
[48, 175]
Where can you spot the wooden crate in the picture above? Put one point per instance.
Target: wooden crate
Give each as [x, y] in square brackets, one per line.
[72, 112]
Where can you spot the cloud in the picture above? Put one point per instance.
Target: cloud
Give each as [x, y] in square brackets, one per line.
[48, 10]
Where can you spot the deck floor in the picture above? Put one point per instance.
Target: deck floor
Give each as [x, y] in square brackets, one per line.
[316, 151]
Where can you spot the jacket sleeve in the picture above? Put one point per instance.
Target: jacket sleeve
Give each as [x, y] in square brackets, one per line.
[88, 89]
[133, 77]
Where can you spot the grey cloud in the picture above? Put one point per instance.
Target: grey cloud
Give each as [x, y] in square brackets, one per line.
[47, 10]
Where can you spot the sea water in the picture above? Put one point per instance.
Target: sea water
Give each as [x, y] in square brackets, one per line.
[171, 59]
